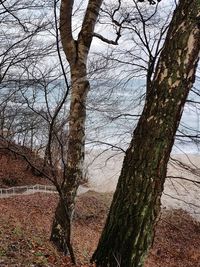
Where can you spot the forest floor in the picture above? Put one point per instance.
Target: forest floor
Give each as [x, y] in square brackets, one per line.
[25, 223]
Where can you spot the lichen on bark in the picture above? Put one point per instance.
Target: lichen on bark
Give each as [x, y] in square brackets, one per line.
[129, 229]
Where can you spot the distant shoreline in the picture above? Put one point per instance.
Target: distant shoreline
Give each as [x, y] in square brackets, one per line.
[103, 174]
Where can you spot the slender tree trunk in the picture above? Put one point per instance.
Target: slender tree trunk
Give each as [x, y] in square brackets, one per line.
[61, 229]
[129, 228]
[76, 52]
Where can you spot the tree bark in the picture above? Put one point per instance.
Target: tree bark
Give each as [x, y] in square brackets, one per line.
[76, 52]
[61, 228]
[129, 229]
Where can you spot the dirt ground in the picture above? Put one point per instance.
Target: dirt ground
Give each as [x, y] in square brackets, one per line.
[25, 224]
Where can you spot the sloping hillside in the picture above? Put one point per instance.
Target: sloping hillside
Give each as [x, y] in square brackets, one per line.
[25, 224]
[15, 170]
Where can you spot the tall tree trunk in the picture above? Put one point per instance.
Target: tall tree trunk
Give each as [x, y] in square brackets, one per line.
[129, 228]
[61, 229]
[76, 52]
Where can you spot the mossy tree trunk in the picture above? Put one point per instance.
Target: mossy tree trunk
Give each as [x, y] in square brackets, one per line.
[76, 52]
[129, 229]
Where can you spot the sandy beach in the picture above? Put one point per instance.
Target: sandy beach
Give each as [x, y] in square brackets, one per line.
[103, 169]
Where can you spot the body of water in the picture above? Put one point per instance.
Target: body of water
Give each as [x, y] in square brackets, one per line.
[113, 115]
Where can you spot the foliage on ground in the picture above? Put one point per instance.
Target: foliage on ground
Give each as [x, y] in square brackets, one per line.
[25, 224]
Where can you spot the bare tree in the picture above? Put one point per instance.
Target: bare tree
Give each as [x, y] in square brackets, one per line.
[23, 67]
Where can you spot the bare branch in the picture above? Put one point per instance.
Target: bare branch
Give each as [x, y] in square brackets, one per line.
[105, 40]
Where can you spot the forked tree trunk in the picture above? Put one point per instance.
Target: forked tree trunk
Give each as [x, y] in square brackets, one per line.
[129, 228]
[76, 52]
